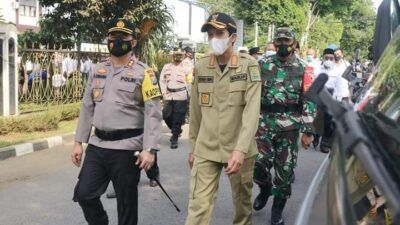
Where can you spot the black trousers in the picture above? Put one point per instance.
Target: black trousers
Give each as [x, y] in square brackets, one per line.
[99, 167]
[174, 114]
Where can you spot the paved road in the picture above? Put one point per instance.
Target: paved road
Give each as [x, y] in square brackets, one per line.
[36, 189]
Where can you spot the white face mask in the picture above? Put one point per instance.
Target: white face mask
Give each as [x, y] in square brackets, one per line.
[269, 53]
[328, 64]
[219, 46]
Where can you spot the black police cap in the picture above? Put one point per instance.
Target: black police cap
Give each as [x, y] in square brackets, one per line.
[121, 25]
[255, 50]
[219, 21]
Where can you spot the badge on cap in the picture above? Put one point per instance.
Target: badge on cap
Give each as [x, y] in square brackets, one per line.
[121, 24]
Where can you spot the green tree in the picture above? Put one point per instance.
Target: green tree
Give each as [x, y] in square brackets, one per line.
[358, 27]
[326, 30]
[86, 21]
[226, 6]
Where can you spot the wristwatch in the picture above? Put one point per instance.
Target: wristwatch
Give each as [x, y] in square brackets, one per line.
[152, 150]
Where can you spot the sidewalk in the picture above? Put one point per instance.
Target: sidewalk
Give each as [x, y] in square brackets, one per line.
[36, 145]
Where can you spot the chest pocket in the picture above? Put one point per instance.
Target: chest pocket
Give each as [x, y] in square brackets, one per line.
[98, 89]
[237, 93]
[293, 82]
[206, 93]
[126, 93]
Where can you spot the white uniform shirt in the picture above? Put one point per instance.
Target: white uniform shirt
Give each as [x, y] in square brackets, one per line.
[336, 82]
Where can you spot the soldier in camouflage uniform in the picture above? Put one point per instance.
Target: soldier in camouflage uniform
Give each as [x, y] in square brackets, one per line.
[284, 112]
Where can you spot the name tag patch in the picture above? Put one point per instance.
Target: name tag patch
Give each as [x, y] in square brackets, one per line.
[100, 76]
[238, 77]
[206, 79]
[128, 79]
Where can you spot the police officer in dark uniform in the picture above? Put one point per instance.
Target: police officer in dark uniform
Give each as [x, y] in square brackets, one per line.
[122, 102]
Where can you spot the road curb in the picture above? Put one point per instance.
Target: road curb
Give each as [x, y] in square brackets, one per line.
[34, 146]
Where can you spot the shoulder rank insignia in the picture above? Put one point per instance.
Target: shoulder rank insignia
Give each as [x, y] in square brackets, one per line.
[150, 88]
[102, 71]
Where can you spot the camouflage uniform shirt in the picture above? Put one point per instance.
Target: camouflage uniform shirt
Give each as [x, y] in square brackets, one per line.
[282, 86]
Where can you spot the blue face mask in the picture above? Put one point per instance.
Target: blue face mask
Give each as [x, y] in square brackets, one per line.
[309, 58]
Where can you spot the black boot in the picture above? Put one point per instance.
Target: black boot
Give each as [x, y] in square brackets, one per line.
[276, 211]
[262, 198]
[174, 141]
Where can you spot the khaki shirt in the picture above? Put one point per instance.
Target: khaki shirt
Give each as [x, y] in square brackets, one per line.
[174, 77]
[225, 107]
[125, 98]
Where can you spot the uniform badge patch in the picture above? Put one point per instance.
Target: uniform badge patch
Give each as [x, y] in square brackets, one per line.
[97, 94]
[149, 72]
[205, 98]
[150, 88]
[254, 73]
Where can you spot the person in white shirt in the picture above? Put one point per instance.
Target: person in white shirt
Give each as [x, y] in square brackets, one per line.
[339, 89]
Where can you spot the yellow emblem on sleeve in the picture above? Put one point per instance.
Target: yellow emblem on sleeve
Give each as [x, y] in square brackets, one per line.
[150, 88]
[254, 73]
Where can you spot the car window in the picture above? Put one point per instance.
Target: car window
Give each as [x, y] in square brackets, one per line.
[380, 106]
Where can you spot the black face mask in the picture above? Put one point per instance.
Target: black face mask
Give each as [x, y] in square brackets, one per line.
[284, 50]
[119, 47]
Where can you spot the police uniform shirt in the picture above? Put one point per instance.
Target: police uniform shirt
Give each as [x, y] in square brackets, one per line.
[118, 99]
[174, 82]
[225, 107]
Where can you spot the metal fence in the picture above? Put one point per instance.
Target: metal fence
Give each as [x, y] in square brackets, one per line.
[54, 76]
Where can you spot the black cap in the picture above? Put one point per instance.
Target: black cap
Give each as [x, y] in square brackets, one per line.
[329, 51]
[188, 49]
[121, 25]
[255, 50]
[178, 51]
[219, 21]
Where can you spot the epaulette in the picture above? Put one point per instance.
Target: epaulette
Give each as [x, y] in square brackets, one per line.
[245, 55]
[145, 66]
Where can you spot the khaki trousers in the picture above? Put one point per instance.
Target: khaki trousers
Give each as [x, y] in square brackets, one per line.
[204, 182]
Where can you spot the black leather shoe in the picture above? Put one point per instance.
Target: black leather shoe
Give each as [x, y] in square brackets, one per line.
[260, 201]
[111, 194]
[276, 211]
[280, 222]
[153, 183]
[324, 149]
[174, 141]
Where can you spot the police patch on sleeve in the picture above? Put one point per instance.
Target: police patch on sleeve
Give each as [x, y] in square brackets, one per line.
[150, 88]
[254, 73]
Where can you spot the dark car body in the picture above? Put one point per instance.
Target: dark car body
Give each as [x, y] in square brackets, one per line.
[360, 184]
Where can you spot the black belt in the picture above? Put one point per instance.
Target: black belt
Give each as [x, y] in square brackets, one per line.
[117, 135]
[176, 90]
[281, 108]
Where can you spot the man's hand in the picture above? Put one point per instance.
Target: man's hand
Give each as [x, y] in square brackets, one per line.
[76, 155]
[145, 160]
[235, 162]
[306, 140]
[190, 160]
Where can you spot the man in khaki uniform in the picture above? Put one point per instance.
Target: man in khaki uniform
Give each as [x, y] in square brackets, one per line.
[122, 102]
[224, 111]
[174, 86]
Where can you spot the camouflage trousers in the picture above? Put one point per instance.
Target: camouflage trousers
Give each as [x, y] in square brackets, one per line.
[276, 150]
